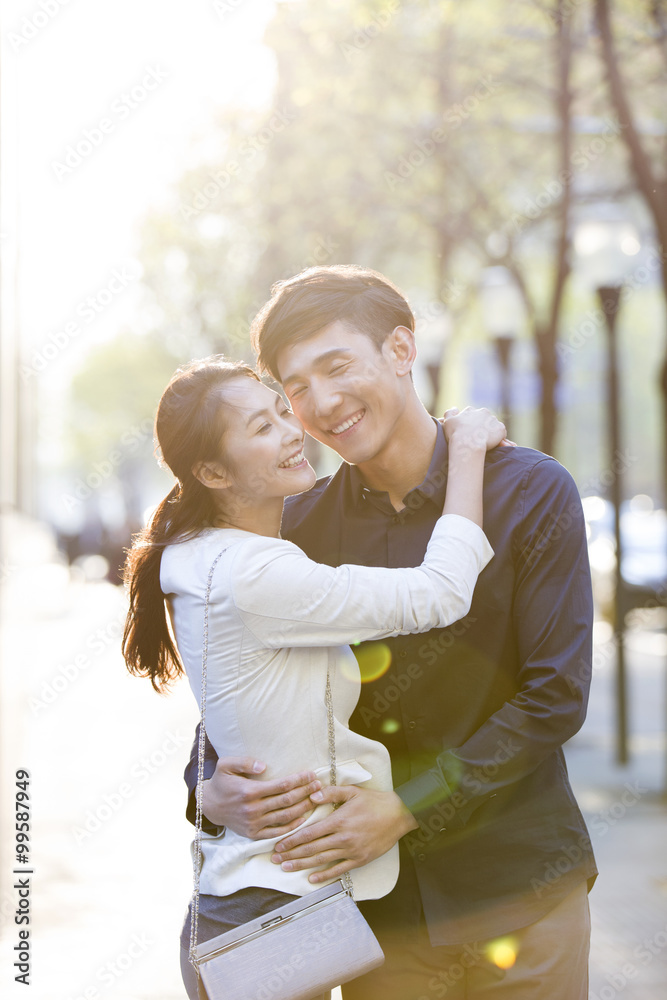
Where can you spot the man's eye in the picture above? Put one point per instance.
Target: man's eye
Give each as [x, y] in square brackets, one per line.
[297, 392]
[264, 428]
[338, 368]
[286, 412]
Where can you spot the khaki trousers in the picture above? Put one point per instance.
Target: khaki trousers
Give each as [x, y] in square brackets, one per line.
[551, 962]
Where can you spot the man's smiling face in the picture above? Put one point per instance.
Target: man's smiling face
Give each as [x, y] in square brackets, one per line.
[346, 392]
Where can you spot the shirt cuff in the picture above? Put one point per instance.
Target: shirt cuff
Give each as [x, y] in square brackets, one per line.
[464, 528]
[433, 804]
[191, 808]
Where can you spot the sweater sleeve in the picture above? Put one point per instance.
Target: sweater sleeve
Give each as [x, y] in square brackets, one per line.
[286, 599]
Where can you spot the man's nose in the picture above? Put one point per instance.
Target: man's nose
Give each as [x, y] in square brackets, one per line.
[325, 399]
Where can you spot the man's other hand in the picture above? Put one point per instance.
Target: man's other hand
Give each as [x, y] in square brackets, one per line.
[367, 824]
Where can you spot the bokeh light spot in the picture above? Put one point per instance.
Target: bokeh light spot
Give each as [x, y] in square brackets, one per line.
[390, 726]
[502, 952]
[374, 660]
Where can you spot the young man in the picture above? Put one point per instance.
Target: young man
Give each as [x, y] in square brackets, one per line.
[495, 857]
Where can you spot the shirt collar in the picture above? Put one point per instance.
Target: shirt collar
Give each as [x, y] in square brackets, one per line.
[432, 488]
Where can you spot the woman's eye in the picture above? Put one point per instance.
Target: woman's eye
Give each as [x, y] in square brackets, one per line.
[338, 368]
[264, 428]
[287, 412]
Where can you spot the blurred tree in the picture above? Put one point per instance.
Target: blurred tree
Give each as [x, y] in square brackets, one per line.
[424, 139]
[402, 137]
[644, 36]
[112, 407]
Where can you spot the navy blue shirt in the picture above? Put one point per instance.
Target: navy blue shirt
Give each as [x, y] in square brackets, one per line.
[475, 715]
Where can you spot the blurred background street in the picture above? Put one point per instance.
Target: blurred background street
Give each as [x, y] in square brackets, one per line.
[110, 842]
[160, 167]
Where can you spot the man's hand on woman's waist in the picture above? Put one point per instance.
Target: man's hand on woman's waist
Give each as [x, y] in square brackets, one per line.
[367, 825]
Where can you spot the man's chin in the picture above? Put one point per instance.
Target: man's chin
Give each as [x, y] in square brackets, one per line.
[355, 456]
[354, 453]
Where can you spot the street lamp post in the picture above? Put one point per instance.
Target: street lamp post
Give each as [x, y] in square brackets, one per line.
[432, 331]
[503, 317]
[503, 344]
[605, 242]
[609, 297]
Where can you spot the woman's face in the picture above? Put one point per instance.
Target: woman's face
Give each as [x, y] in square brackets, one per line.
[262, 444]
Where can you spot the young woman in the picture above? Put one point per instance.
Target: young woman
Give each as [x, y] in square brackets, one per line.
[278, 622]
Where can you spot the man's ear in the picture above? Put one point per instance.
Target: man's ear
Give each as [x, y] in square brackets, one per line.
[212, 475]
[402, 349]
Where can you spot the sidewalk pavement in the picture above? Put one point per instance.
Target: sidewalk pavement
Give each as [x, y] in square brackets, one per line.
[626, 812]
[110, 845]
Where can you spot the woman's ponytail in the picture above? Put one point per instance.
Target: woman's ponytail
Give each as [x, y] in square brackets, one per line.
[148, 646]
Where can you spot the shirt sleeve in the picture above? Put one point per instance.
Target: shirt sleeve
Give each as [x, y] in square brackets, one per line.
[553, 622]
[286, 599]
[190, 778]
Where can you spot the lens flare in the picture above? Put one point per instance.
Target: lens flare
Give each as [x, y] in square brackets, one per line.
[374, 660]
[502, 952]
[390, 726]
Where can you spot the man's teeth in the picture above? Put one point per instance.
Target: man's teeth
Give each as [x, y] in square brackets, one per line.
[348, 423]
[295, 460]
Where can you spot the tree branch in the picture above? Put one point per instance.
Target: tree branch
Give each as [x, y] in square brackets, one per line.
[646, 181]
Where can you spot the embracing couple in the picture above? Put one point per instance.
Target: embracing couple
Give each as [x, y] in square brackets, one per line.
[468, 854]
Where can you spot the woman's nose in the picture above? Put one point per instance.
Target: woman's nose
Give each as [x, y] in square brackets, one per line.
[292, 428]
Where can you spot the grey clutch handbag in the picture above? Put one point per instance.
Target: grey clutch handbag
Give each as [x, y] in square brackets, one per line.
[301, 949]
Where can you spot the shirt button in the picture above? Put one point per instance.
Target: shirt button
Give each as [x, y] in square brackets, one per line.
[402, 654]
[412, 724]
[421, 857]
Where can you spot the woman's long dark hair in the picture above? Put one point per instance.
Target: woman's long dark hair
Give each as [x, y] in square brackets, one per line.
[188, 429]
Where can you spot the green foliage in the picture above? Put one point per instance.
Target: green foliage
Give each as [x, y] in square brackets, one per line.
[115, 395]
[420, 138]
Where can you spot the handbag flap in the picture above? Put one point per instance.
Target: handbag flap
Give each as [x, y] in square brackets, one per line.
[233, 937]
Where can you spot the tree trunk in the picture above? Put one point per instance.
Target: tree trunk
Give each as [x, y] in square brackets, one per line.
[547, 335]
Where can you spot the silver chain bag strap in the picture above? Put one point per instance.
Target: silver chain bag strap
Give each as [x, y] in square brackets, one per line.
[295, 952]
